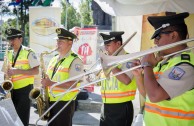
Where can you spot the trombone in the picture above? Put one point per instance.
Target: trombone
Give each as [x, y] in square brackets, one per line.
[91, 71]
[78, 79]
[109, 62]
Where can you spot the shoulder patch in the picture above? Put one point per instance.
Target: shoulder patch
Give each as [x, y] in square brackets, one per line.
[176, 73]
[77, 67]
[185, 57]
[34, 55]
[129, 64]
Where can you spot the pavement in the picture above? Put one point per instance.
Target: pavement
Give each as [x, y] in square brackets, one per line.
[88, 112]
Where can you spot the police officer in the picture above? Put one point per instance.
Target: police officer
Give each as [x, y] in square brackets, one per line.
[117, 92]
[169, 83]
[61, 67]
[24, 65]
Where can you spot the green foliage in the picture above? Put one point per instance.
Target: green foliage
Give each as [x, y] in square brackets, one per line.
[72, 16]
[86, 12]
[75, 18]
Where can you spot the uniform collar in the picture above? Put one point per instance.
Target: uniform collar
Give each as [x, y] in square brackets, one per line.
[66, 55]
[122, 52]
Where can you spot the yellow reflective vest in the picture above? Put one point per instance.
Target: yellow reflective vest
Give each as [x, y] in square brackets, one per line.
[21, 80]
[178, 111]
[114, 91]
[61, 74]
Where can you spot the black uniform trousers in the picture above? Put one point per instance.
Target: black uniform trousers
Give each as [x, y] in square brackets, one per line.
[21, 101]
[65, 117]
[118, 114]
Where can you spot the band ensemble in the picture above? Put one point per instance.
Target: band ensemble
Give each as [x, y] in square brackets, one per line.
[165, 83]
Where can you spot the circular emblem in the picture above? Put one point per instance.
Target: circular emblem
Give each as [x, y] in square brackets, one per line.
[9, 31]
[58, 30]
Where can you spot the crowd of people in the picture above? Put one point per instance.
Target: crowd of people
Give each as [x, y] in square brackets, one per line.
[166, 83]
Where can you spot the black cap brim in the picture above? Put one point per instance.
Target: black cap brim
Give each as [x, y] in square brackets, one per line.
[156, 33]
[161, 22]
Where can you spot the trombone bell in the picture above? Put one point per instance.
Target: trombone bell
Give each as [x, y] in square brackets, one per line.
[106, 68]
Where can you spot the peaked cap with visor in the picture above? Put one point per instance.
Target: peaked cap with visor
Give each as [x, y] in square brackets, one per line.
[13, 33]
[162, 22]
[64, 34]
[112, 36]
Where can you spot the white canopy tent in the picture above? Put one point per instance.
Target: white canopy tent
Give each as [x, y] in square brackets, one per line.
[131, 16]
[143, 7]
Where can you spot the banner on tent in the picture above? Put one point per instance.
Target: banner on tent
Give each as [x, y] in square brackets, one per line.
[43, 22]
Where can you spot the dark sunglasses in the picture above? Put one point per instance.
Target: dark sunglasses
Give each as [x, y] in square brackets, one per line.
[162, 32]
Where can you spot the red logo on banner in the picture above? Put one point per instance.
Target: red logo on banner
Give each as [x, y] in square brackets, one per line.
[85, 50]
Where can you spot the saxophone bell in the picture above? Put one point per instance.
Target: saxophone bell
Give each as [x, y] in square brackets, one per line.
[7, 85]
[40, 96]
[36, 95]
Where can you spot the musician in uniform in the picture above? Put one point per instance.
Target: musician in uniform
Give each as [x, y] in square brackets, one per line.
[169, 82]
[24, 65]
[117, 92]
[61, 67]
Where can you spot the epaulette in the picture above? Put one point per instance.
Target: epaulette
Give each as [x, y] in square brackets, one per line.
[185, 57]
[27, 49]
[73, 54]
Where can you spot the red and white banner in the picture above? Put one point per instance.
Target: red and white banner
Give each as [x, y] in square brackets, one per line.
[86, 45]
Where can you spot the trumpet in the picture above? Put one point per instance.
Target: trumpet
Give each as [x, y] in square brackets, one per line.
[7, 85]
[109, 62]
[41, 95]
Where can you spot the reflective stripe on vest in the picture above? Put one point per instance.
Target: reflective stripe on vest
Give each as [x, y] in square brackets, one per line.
[114, 91]
[178, 111]
[21, 80]
[61, 74]
[119, 94]
[169, 112]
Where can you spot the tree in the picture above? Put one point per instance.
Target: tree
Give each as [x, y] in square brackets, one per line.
[21, 8]
[86, 12]
[72, 16]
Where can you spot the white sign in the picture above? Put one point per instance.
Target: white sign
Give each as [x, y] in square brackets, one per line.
[86, 45]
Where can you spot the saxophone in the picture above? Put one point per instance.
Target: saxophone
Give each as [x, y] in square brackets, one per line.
[7, 85]
[41, 95]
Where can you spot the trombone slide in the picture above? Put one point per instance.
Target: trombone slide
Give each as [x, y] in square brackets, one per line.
[106, 62]
[110, 61]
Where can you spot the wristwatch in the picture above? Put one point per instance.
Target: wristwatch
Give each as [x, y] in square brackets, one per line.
[146, 64]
